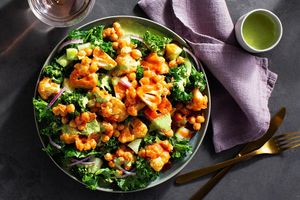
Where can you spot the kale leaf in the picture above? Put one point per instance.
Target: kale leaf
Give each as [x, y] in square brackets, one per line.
[181, 80]
[181, 148]
[76, 98]
[155, 42]
[53, 128]
[197, 79]
[185, 77]
[94, 36]
[54, 71]
[144, 175]
[49, 149]
[109, 146]
[72, 152]
[104, 82]
[43, 112]
[140, 46]
[139, 72]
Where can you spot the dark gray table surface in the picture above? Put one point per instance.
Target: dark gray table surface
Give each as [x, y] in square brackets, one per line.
[27, 173]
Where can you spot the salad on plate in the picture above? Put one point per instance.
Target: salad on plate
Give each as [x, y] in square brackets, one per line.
[115, 109]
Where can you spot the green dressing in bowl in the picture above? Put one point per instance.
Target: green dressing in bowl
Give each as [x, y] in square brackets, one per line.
[260, 31]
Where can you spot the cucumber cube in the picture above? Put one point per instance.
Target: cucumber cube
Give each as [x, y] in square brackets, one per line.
[63, 61]
[72, 53]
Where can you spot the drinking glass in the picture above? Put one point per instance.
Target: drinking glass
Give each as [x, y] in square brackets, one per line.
[61, 13]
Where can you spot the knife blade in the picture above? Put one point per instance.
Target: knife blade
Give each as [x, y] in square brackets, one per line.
[251, 146]
[275, 123]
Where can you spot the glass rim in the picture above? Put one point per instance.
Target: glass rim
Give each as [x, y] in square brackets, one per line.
[66, 22]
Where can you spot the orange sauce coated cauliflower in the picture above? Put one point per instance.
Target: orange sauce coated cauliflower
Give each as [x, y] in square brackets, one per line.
[158, 153]
[114, 110]
[136, 129]
[82, 143]
[47, 88]
[124, 157]
[199, 101]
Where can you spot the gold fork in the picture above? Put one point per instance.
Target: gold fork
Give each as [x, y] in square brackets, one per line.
[274, 145]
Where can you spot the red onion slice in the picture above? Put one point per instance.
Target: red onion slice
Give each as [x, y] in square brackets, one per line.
[125, 82]
[53, 143]
[136, 38]
[82, 161]
[56, 97]
[68, 42]
[126, 173]
[193, 56]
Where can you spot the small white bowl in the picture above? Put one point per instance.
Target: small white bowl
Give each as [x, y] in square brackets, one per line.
[239, 31]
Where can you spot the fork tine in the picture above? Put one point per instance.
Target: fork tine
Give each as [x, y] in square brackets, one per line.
[285, 136]
[289, 147]
[288, 142]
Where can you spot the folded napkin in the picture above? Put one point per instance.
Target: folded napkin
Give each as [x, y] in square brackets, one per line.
[241, 83]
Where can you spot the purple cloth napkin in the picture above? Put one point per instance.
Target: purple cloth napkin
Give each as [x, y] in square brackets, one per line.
[242, 83]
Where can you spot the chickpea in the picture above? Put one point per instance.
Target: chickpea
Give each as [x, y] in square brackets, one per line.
[134, 84]
[64, 120]
[128, 156]
[111, 164]
[114, 37]
[136, 54]
[86, 61]
[196, 126]
[157, 78]
[93, 68]
[108, 127]
[145, 81]
[131, 76]
[200, 119]
[127, 167]
[116, 25]
[72, 124]
[169, 133]
[120, 152]
[172, 63]
[123, 43]
[116, 133]
[142, 153]
[81, 53]
[115, 45]
[125, 50]
[192, 120]
[81, 127]
[70, 108]
[120, 172]
[107, 32]
[148, 73]
[108, 156]
[166, 145]
[120, 32]
[178, 117]
[121, 159]
[85, 117]
[105, 138]
[132, 92]
[88, 51]
[180, 60]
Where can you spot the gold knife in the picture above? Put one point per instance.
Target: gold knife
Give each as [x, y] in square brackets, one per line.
[275, 122]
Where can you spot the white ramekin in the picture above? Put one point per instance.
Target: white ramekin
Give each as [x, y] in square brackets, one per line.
[239, 33]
